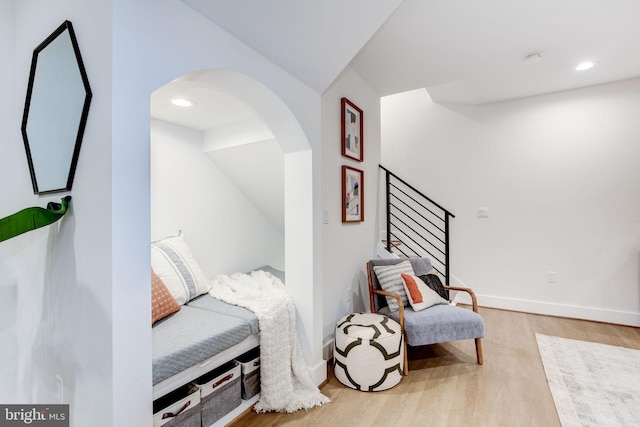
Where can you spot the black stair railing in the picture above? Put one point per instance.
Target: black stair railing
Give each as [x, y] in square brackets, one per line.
[416, 225]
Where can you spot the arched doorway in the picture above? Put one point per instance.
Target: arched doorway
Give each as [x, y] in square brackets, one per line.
[296, 191]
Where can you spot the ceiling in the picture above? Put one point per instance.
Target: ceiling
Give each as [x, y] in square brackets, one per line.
[313, 40]
[462, 51]
[214, 109]
[473, 51]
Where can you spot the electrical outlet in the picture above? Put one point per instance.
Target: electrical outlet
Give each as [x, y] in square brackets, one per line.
[483, 212]
[348, 296]
[59, 389]
[551, 277]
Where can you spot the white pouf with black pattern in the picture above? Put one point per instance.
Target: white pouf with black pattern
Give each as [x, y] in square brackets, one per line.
[368, 352]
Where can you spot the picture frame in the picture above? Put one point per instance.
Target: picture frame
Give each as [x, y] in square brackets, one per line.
[352, 131]
[352, 194]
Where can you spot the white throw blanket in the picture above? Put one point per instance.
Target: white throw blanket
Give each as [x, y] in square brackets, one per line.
[286, 385]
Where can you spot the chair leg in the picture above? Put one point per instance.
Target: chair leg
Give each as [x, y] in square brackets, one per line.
[479, 350]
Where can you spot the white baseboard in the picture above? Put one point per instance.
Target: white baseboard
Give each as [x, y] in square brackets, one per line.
[553, 309]
[327, 348]
[318, 372]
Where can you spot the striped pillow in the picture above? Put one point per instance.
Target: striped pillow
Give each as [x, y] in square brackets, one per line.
[173, 261]
[390, 280]
[162, 302]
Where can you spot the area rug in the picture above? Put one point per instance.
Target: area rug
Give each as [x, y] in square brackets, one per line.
[592, 384]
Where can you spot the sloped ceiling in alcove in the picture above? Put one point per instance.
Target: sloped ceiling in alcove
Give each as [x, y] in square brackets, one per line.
[234, 137]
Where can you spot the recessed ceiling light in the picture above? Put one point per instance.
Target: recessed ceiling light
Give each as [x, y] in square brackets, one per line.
[585, 65]
[181, 102]
[534, 58]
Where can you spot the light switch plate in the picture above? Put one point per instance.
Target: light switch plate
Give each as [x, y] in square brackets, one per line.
[483, 212]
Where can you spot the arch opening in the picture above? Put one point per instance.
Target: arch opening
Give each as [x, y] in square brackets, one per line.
[262, 153]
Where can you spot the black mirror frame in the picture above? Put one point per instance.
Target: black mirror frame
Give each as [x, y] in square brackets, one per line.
[66, 25]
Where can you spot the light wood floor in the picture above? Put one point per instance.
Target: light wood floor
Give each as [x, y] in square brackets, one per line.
[445, 386]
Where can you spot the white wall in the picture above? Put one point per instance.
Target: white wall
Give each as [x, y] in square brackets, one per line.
[10, 115]
[94, 296]
[81, 290]
[257, 170]
[189, 192]
[347, 247]
[560, 176]
[12, 167]
[57, 280]
[155, 42]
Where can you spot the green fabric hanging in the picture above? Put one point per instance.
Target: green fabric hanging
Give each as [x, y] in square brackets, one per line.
[31, 218]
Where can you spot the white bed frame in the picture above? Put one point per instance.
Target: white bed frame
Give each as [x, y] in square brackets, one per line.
[190, 374]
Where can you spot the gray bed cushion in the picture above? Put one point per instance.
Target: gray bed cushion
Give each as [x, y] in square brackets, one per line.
[209, 303]
[278, 273]
[191, 336]
[440, 323]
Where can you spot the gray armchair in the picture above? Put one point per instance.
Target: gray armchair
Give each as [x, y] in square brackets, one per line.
[437, 324]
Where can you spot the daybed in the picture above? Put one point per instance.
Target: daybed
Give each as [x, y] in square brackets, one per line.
[203, 332]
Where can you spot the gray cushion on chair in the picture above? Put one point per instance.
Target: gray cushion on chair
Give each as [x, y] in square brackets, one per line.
[440, 323]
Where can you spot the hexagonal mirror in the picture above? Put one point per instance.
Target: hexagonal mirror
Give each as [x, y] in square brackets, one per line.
[55, 111]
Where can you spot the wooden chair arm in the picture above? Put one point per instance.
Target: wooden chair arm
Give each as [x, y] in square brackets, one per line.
[400, 304]
[474, 301]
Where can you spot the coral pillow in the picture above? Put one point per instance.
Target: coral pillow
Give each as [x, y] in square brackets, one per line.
[162, 302]
[420, 296]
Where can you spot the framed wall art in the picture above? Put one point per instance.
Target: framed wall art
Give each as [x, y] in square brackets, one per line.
[352, 130]
[352, 194]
